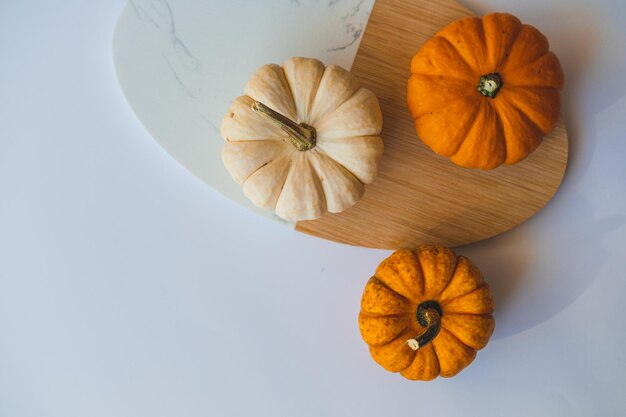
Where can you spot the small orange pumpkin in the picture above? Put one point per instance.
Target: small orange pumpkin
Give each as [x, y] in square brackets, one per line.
[485, 91]
[425, 313]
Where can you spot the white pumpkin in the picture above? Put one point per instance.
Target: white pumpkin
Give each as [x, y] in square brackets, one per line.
[303, 139]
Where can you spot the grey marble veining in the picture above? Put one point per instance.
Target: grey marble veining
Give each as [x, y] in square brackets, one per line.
[186, 68]
[354, 24]
[181, 62]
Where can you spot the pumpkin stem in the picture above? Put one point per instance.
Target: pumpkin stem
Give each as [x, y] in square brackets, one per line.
[302, 135]
[428, 315]
[490, 84]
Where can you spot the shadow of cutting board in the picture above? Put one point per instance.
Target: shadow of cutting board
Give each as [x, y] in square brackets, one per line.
[420, 197]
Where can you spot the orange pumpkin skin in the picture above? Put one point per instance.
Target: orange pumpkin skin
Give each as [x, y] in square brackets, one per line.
[408, 280]
[473, 130]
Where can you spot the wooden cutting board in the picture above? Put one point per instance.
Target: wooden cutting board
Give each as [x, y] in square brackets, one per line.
[420, 197]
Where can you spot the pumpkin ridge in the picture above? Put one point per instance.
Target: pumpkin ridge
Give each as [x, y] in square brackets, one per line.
[401, 274]
[283, 82]
[432, 56]
[432, 345]
[499, 127]
[371, 156]
[256, 140]
[483, 147]
[427, 93]
[318, 184]
[526, 113]
[435, 258]
[419, 266]
[503, 60]
[522, 113]
[469, 314]
[315, 120]
[427, 348]
[290, 91]
[449, 63]
[382, 284]
[478, 287]
[449, 104]
[367, 323]
[474, 340]
[449, 77]
[238, 115]
[282, 187]
[395, 315]
[455, 140]
[333, 160]
[526, 65]
[403, 334]
[317, 161]
[453, 332]
[321, 150]
[456, 266]
[312, 93]
[317, 179]
[322, 139]
[470, 126]
[456, 339]
[485, 301]
[256, 154]
[343, 102]
[338, 123]
[475, 35]
[486, 315]
[465, 61]
[378, 300]
[481, 33]
[526, 120]
[262, 166]
[535, 39]
[284, 172]
[470, 277]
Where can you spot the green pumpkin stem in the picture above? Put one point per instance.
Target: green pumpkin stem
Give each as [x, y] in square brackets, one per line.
[428, 315]
[302, 135]
[490, 84]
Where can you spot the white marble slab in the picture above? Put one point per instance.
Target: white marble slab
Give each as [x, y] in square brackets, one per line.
[129, 288]
[181, 62]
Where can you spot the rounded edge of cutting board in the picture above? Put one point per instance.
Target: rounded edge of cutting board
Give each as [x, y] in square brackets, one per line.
[420, 197]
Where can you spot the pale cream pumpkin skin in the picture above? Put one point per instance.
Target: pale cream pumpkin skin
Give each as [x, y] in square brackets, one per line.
[262, 156]
[426, 312]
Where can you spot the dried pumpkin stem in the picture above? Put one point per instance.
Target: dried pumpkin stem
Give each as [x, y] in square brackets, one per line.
[428, 315]
[490, 84]
[302, 135]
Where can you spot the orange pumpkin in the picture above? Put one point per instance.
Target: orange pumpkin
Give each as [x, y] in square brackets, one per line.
[425, 313]
[485, 91]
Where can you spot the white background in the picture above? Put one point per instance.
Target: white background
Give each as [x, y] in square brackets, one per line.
[130, 288]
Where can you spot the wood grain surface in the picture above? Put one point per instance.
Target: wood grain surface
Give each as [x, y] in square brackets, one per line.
[420, 197]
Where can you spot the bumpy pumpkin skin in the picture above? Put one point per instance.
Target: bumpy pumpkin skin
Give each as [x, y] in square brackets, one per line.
[475, 131]
[408, 279]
